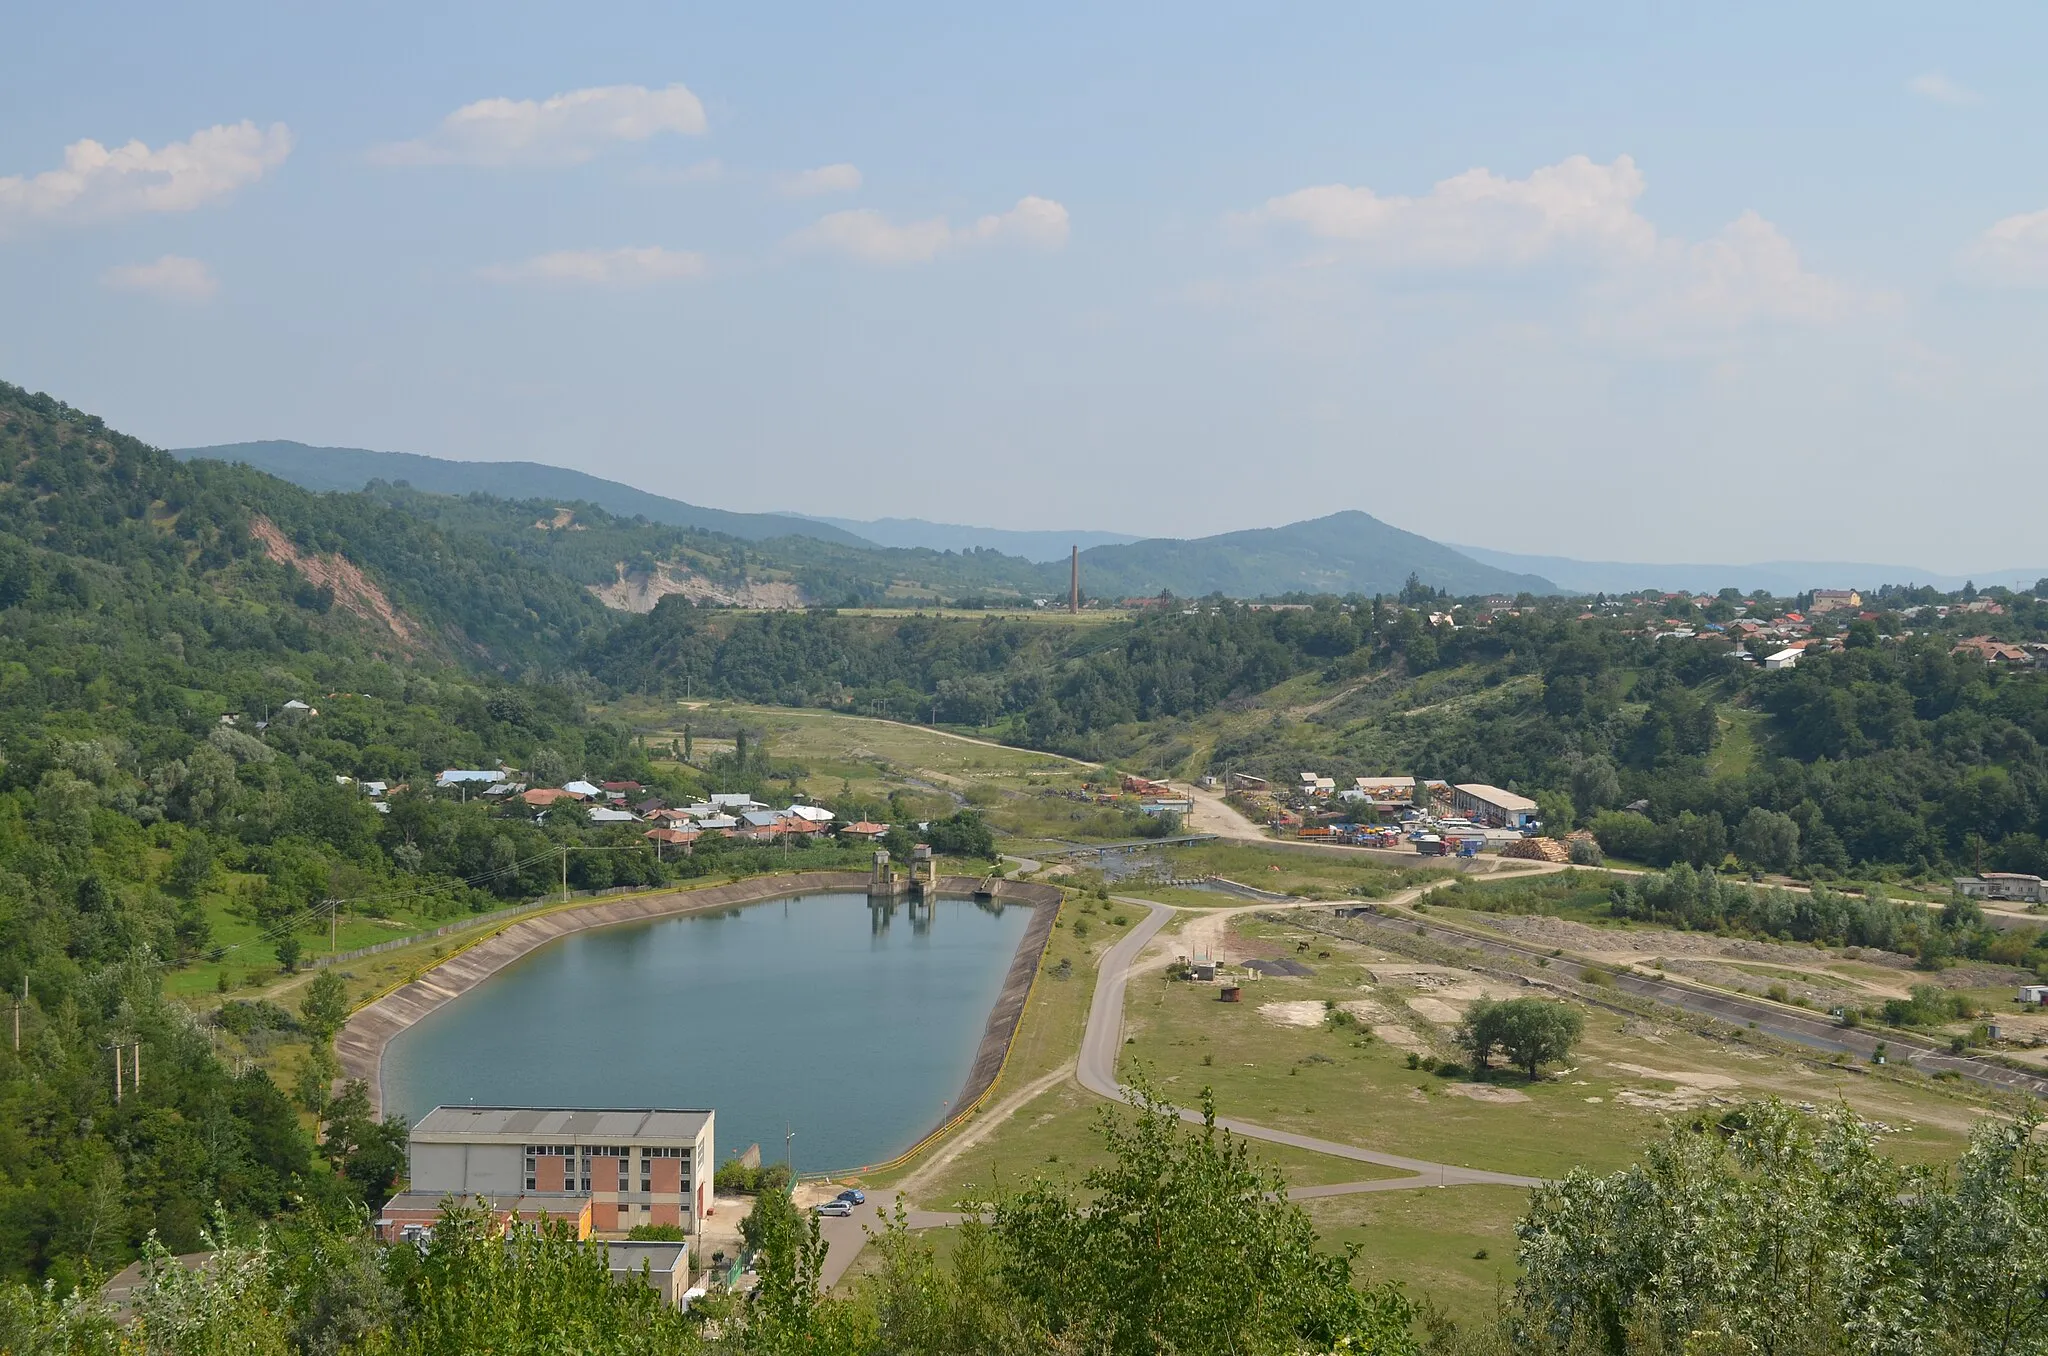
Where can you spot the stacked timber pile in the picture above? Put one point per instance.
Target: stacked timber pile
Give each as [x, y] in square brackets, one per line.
[1537, 850]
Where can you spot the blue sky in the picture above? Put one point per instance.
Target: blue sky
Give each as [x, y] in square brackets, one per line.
[1623, 282]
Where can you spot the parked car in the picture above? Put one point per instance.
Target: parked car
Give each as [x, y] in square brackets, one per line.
[854, 1195]
[836, 1206]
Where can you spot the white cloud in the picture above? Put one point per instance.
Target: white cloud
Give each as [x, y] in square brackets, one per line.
[96, 182]
[173, 277]
[1938, 87]
[630, 267]
[1747, 273]
[824, 179]
[2013, 252]
[1636, 281]
[564, 130]
[869, 236]
[1479, 218]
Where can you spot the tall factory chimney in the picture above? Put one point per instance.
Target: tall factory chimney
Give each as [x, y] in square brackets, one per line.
[1074, 583]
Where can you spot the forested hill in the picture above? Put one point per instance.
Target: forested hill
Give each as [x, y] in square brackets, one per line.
[119, 545]
[352, 468]
[1348, 552]
[154, 781]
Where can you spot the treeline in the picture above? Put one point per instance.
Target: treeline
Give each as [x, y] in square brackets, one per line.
[1044, 683]
[1707, 901]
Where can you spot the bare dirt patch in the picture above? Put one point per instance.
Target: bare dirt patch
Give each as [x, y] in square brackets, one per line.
[1304, 1012]
[1682, 1077]
[1677, 1099]
[1436, 1010]
[1443, 982]
[1486, 1092]
[1401, 1038]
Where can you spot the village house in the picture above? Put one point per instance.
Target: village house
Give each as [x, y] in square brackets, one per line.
[2014, 886]
[1993, 651]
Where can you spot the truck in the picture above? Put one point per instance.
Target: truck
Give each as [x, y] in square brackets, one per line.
[1429, 845]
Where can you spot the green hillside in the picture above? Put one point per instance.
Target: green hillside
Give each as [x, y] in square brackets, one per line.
[352, 468]
[198, 666]
[1343, 553]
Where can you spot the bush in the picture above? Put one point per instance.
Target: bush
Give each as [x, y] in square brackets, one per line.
[1586, 852]
[657, 1233]
[737, 1179]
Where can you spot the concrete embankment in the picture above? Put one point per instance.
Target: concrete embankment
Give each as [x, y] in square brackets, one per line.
[361, 1043]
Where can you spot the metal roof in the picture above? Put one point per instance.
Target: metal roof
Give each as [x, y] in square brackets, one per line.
[578, 1123]
[1497, 798]
[626, 1254]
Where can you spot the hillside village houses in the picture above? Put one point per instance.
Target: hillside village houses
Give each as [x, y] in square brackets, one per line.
[731, 814]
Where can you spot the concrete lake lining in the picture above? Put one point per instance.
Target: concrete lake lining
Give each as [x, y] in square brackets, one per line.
[361, 1044]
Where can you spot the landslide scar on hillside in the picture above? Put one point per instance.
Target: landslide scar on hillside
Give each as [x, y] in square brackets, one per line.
[353, 590]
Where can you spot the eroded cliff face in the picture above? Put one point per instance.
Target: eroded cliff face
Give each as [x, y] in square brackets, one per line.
[354, 592]
[639, 593]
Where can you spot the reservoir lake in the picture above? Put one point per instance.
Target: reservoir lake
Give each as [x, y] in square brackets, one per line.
[854, 1027]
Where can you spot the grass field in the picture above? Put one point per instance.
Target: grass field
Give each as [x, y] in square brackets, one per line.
[1430, 1242]
[1320, 1079]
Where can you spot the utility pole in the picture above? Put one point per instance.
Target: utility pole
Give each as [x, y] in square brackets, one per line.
[788, 1161]
[333, 927]
[137, 1084]
[17, 1013]
[117, 1071]
[565, 874]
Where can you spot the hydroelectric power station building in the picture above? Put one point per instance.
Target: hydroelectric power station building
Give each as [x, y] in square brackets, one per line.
[604, 1171]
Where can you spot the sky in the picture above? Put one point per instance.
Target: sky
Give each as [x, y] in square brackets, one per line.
[1645, 282]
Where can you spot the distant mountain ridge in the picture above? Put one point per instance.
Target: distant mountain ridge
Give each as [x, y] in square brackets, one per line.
[351, 468]
[1347, 552]
[1036, 546]
[1350, 552]
[1783, 578]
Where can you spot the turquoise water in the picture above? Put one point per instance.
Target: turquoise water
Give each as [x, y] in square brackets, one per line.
[853, 1027]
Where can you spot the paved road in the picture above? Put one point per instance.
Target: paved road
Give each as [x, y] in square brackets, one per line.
[1102, 1043]
[846, 1235]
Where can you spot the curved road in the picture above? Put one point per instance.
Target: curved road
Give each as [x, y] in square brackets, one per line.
[847, 1235]
[1102, 1042]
